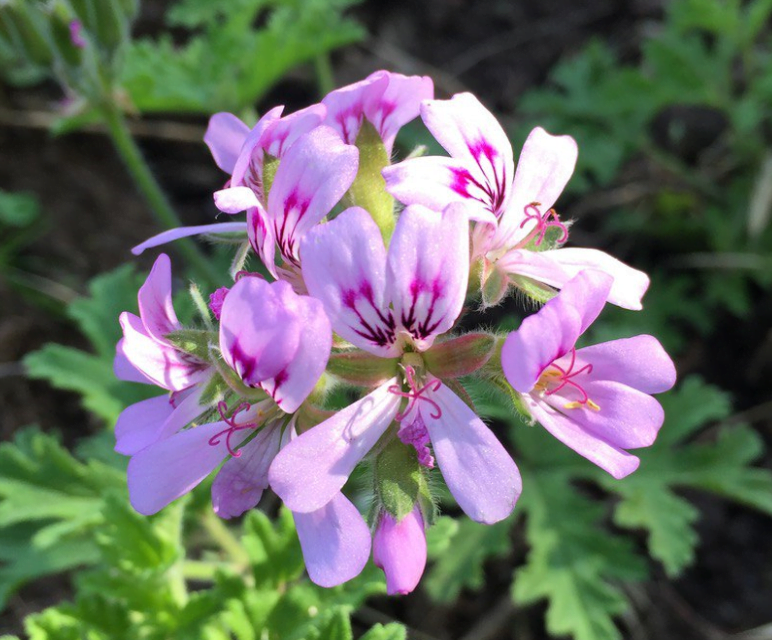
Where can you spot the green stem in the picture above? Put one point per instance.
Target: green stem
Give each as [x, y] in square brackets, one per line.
[203, 571]
[148, 185]
[325, 80]
[220, 533]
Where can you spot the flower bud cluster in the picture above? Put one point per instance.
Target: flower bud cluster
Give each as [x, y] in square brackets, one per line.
[366, 270]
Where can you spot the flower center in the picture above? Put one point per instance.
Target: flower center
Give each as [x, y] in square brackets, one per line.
[233, 427]
[555, 378]
[416, 393]
[543, 222]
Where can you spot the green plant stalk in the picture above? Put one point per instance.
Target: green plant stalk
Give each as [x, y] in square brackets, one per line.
[148, 185]
[222, 535]
[325, 80]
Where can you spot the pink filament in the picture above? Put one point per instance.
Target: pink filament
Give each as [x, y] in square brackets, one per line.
[222, 407]
[567, 375]
[543, 223]
[415, 394]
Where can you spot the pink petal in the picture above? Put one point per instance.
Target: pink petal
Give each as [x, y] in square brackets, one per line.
[399, 548]
[450, 182]
[542, 338]
[544, 168]
[184, 232]
[240, 483]
[346, 106]
[639, 362]
[260, 234]
[627, 418]
[235, 199]
[312, 177]
[250, 161]
[344, 266]
[224, 137]
[291, 386]
[311, 469]
[160, 363]
[282, 134]
[617, 462]
[155, 300]
[171, 468]
[587, 292]
[558, 266]
[124, 370]
[259, 329]
[479, 472]
[470, 133]
[428, 266]
[335, 541]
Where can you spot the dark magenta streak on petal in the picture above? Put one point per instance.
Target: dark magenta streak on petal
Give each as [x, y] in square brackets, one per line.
[495, 192]
[243, 364]
[378, 335]
[426, 327]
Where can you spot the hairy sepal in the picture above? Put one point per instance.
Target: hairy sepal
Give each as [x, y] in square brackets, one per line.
[369, 188]
[536, 291]
[460, 356]
[196, 342]
[361, 368]
[399, 480]
[495, 284]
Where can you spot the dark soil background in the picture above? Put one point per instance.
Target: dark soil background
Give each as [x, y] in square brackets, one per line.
[497, 49]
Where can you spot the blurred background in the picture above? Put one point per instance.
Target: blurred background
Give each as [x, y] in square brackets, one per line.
[671, 105]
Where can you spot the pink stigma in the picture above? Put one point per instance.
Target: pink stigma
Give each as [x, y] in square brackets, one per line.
[543, 223]
[415, 394]
[222, 408]
[416, 436]
[566, 379]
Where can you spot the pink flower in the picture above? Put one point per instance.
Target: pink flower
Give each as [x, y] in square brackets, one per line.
[76, 35]
[399, 548]
[387, 100]
[596, 399]
[513, 209]
[392, 305]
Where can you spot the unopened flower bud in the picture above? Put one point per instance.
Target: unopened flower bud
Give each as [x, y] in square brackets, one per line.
[399, 548]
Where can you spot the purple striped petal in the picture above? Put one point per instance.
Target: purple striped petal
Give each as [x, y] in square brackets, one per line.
[259, 329]
[312, 177]
[281, 134]
[335, 541]
[479, 472]
[260, 234]
[240, 483]
[224, 137]
[184, 232]
[346, 106]
[428, 267]
[155, 300]
[311, 469]
[344, 266]
[470, 133]
[248, 170]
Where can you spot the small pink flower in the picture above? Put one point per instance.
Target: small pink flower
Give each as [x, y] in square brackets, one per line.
[595, 399]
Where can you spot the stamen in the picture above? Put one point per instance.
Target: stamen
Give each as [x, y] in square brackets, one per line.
[415, 394]
[564, 378]
[222, 408]
[543, 222]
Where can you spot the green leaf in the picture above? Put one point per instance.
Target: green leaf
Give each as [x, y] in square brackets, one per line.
[391, 631]
[472, 545]
[273, 548]
[18, 209]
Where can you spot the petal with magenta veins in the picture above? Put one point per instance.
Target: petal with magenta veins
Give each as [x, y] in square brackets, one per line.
[541, 338]
[639, 362]
[291, 386]
[556, 267]
[398, 105]
[313, 467]
[346, 107]
[260, 234]
[544, 168]
[470, 133]
[479, 472]
[450, 182]
[312, 177]
[335, 541]
[240, 483]
[170, 468]
[344, 266]
[162, 364]
[224, 136]
[610, 458]
[428, 270]
[155, 300]
[260, 328]
[185, 232]
[248, 169]
[281, 134]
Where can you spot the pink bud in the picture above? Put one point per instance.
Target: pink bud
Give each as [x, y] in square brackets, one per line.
[399, 548]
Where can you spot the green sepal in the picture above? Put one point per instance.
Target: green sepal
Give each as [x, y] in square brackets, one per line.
[495, 284]
[216, 389]
[270, 166]
[536, 291]
[69, 53]
[361, 368]
[399, 481]
[460, 356]
[501, 383]
[105, 20]
[196, 342]
[25, 29]
[369, 188]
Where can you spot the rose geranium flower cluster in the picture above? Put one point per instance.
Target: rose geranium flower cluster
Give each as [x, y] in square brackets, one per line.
[361, 272]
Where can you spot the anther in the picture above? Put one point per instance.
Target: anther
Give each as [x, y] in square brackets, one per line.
[543, 222]
[222, 408]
